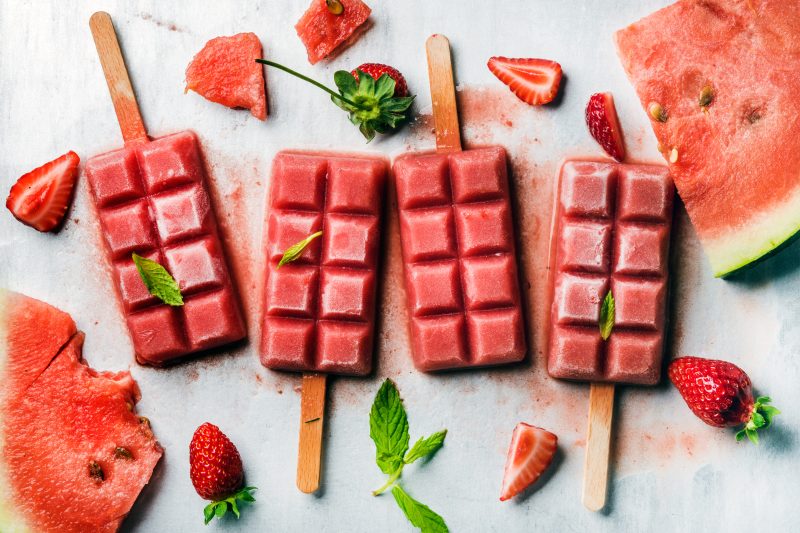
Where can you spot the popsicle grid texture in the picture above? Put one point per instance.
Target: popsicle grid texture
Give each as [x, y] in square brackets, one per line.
[151, 199]
[612, 232]
[459, 255]
[319, 311]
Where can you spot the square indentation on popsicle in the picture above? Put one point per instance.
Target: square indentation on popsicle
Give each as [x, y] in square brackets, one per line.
[156, 334]
[212, 319]
[344, 347]
[634, 357]
[428, 234]
[641, 250]
[639, 303]
[350, 240]
[196, 265]
[170, 161]
[298, 182]
[422, 181]
[182, 214]
[287, 228]
[128, 229]
[496, 336]
[585, 246]
[287, 343]
[439, 342]
[645, 193]
[577, 299]
[132, 290]
[114, 177]
[433, 288]
[292, 290]
[346, 294]
[484, 228]
[479, 175]
[575, 353]
[489, 281]
[588, 188]
[355, 186]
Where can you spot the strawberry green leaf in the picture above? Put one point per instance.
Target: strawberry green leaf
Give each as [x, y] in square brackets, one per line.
[293, 252]
[220, 508]
[158, 281]
[388, 428]
[425, 446]
[208, 512]
[760, 418]
[607, 316]
[419, 514]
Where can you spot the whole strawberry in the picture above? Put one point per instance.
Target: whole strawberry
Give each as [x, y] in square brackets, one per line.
[376, 70]
[216, 471]
[721, 395]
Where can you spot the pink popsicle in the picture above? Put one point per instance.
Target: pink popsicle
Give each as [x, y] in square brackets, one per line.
[611, 232]
[151, 199]
[319, 310]
[459, 258]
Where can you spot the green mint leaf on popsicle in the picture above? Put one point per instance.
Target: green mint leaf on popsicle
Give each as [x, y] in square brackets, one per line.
[158, 281]
[296, 250]
[388, 428]
[607, 312]
[419, 514]
[425, 446]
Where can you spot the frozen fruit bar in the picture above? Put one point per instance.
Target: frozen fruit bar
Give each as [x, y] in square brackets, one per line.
[460, 263]
[319, 311]
[151, 199]
[611, 233]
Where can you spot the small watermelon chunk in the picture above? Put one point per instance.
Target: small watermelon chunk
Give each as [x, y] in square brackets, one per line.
[322, 32]
[225, 72]
[74, 455]
[719, 80]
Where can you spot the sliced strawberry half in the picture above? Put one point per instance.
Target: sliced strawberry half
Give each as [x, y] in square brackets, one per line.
[531, 452]
[40, 197]
[534, 81]
[601, 117]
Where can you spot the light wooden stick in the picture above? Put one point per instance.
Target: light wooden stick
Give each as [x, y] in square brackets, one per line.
[312, 422]
[119, 84]
[598, 443]
[443, 94]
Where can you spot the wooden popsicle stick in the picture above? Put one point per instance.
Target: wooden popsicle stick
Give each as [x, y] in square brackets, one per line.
[443, 94]
[312, 422]
[598, 444]
[119, 84]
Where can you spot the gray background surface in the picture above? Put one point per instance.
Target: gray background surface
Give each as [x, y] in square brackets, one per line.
[670, 472]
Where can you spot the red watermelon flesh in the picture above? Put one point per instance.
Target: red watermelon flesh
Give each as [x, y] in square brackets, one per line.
[322, 32]
[54, 426]
[225, 72]
[735, 161]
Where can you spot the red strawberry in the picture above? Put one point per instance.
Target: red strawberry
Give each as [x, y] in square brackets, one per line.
[376, 70]
[534, 81]
[530, 453]
[216, 471]
[721, 395]
[601, 117]
[40, 197]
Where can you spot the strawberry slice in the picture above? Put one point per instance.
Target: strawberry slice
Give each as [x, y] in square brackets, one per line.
[601, 117]
[531, 452]
[40, 197]
[534, 81]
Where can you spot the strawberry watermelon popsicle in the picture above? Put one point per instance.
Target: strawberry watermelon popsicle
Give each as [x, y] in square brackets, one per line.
[151, 200]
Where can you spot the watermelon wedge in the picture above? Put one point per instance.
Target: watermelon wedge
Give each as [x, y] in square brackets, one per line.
[719, 80]
[73, 453]
[323, 30]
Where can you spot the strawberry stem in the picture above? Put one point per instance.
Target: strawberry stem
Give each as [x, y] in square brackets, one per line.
[760, 418]
[309, 80]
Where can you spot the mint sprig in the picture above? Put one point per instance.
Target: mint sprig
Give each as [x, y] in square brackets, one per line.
[158, 281]
[221, 507]
[607, 316]
[761, 418]
[296, 250]
[388, 429]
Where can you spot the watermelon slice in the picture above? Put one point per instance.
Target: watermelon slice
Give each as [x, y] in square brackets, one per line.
[73, 453]
[720, 82]
[322, 31]
[225, 72]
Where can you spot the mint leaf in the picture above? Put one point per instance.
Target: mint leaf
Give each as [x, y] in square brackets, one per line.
[607, 312]
[158, 281]
[425, 446]
[388, 428]
[296, 250]
[420, 515]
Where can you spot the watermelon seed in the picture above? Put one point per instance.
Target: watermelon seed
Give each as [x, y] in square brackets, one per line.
[145, 421]
[673, 156]
[96, 471]
[706, 96]
[753, 116]
[335, 6]
[657, 112]
[122, 453]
